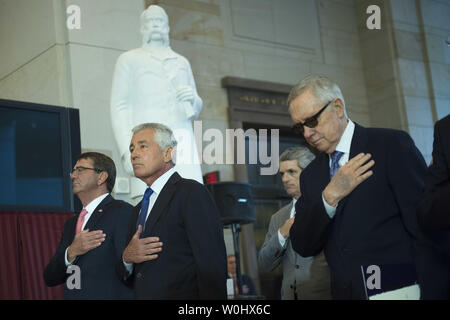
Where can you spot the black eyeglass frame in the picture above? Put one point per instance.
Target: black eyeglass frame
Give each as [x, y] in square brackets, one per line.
[311, 122]
[77, 169]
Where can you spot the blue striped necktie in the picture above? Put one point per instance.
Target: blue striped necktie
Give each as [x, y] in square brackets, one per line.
[144, 208]
[335, 157]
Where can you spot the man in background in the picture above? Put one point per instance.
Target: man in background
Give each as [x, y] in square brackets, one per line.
[95, 238]
[303, 277]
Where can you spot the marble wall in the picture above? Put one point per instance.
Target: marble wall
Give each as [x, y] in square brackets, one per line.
[406, 66]
[395, 77]
[277, 41]
[33, 56]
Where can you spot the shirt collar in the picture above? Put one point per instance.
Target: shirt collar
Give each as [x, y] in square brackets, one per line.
[94, 203]
[346, 140]
[159, 183]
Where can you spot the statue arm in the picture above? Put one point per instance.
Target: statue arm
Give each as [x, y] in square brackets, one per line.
[121, 109]
[197, 104]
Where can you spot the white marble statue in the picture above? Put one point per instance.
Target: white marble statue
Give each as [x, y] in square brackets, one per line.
[155, 84]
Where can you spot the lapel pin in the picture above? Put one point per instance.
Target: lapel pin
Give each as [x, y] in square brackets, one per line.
[100, 210]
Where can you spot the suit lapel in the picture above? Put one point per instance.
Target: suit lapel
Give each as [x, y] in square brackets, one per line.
[323, 176]
[161, 203]
[286, 214]
[359, 141]
[358, 145]
[135, 215]
[73, 226]
[98, 213]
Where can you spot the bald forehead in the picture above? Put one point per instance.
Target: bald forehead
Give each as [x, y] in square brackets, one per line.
[304, 105]
[305, 97]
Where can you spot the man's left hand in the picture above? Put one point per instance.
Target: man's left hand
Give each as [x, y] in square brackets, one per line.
[348, 177]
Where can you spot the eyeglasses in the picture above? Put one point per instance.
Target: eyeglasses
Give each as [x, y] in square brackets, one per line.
[311, 122]
[81, 169]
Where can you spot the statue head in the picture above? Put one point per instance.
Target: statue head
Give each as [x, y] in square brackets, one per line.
[155, 25]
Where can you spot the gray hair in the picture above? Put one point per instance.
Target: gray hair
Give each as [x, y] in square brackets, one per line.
[145, 32]
[323, 89]
[163, 135]
[301, 154]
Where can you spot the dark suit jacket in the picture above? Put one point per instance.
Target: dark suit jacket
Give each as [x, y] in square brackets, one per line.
[98, 277]
[434, 216]
[192, 263]
[435, 213]
[376, 224]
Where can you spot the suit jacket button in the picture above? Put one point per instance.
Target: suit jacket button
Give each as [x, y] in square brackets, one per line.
[139, 275]
[297, 266]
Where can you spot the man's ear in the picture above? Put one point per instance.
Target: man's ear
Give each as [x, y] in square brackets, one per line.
[339, 107]
[168, 154]
[102, 177]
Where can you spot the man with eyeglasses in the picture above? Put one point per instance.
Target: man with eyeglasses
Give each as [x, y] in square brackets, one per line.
[95, 238]
[359, 200]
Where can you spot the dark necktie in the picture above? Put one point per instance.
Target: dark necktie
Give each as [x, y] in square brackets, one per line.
[144, 208]
[335, 157]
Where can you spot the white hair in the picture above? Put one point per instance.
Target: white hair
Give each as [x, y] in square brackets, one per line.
[323, 89]
[163, 135]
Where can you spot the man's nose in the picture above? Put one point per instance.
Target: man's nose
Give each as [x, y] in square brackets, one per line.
[308, 132]
[134, 154]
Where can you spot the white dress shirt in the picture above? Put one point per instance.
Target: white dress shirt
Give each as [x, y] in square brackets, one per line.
[90, 208]
[157, 187]
[281, 239]
[343, 146]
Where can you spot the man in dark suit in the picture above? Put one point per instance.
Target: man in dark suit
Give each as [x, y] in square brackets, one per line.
[94, 239]
[176, 248]
[434, 218]
[360, 199]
